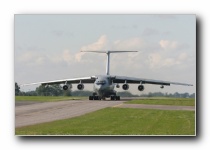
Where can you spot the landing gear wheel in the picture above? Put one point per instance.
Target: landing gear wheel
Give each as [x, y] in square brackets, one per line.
[117, 97]
[113, 97]
[95, 97]
[90, 97]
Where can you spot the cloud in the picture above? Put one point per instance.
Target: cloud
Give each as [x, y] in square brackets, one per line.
[32, 58]
[150, 56]
[26, 56]
[183, 56]
[173, 45]
[67, 56]
[100, 44]
[129, 44]
[154, 60]
[160, 60]
[169, 62]
[171, 53]
[168, 45]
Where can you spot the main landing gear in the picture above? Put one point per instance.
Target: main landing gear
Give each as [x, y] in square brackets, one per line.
[115, 97]
[95, 97]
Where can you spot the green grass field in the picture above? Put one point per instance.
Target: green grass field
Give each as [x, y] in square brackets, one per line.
[165, 101]
[47, 98]
[119, 121]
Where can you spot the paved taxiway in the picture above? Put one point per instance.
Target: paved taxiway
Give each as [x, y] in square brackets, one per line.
[35, 113]
[29, 113]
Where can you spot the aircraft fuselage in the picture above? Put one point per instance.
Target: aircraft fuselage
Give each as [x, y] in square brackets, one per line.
[103, 86]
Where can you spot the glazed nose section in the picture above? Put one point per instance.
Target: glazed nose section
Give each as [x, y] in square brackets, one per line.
[100, 84]
[100, 87]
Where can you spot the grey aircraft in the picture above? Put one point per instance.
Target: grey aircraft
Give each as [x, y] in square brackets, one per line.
[103, 85]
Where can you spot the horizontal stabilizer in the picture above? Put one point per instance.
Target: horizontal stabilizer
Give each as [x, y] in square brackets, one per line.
[108, 51]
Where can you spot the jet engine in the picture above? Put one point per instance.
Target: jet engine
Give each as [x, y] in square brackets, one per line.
[141, 88]
[66, 86]
[117, 86]
[161, 86]
[80, 86]
[125, 86]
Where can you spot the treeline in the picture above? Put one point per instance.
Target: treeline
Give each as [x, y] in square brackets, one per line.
[56, 90]
[53, 90]
[157, 94]
[176, 94]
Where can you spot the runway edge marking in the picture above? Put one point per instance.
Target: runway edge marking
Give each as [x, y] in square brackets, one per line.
[117, 105]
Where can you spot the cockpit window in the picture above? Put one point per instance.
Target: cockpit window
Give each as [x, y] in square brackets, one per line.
[101, 82]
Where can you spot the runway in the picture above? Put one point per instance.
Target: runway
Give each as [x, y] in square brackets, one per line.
[35, 113]
[29, 113]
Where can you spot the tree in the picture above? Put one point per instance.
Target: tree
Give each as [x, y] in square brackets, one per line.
[126, 94]
[185, 95]
[17, 89]
[81, 93]
[67, 93]
[52, 90]
[176, 94]
[56, 90]
[192, 95]
[40, 90]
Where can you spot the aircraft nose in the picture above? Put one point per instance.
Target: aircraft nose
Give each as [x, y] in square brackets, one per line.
[100, 87]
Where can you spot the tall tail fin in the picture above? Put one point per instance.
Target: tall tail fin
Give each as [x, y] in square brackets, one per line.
[108, 57]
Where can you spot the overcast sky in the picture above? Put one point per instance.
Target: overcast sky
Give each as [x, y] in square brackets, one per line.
[47, 47]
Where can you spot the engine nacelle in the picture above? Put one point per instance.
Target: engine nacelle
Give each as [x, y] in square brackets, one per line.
[117, 86]
[161, 86]
[125, 86]
[141, 88]
[80, 86]
[66, 87]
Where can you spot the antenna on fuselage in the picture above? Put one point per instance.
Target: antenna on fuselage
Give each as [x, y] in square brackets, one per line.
[108, 57]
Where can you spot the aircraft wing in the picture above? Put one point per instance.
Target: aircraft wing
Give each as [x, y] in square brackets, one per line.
[123, 79]
[66, 81]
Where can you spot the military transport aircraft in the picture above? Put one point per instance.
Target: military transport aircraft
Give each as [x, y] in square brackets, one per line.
[104, 84]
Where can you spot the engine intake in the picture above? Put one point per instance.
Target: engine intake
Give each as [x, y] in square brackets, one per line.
[117, 86]
[66, 87]
[80, 86]
[125, 86]
[141, 88]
